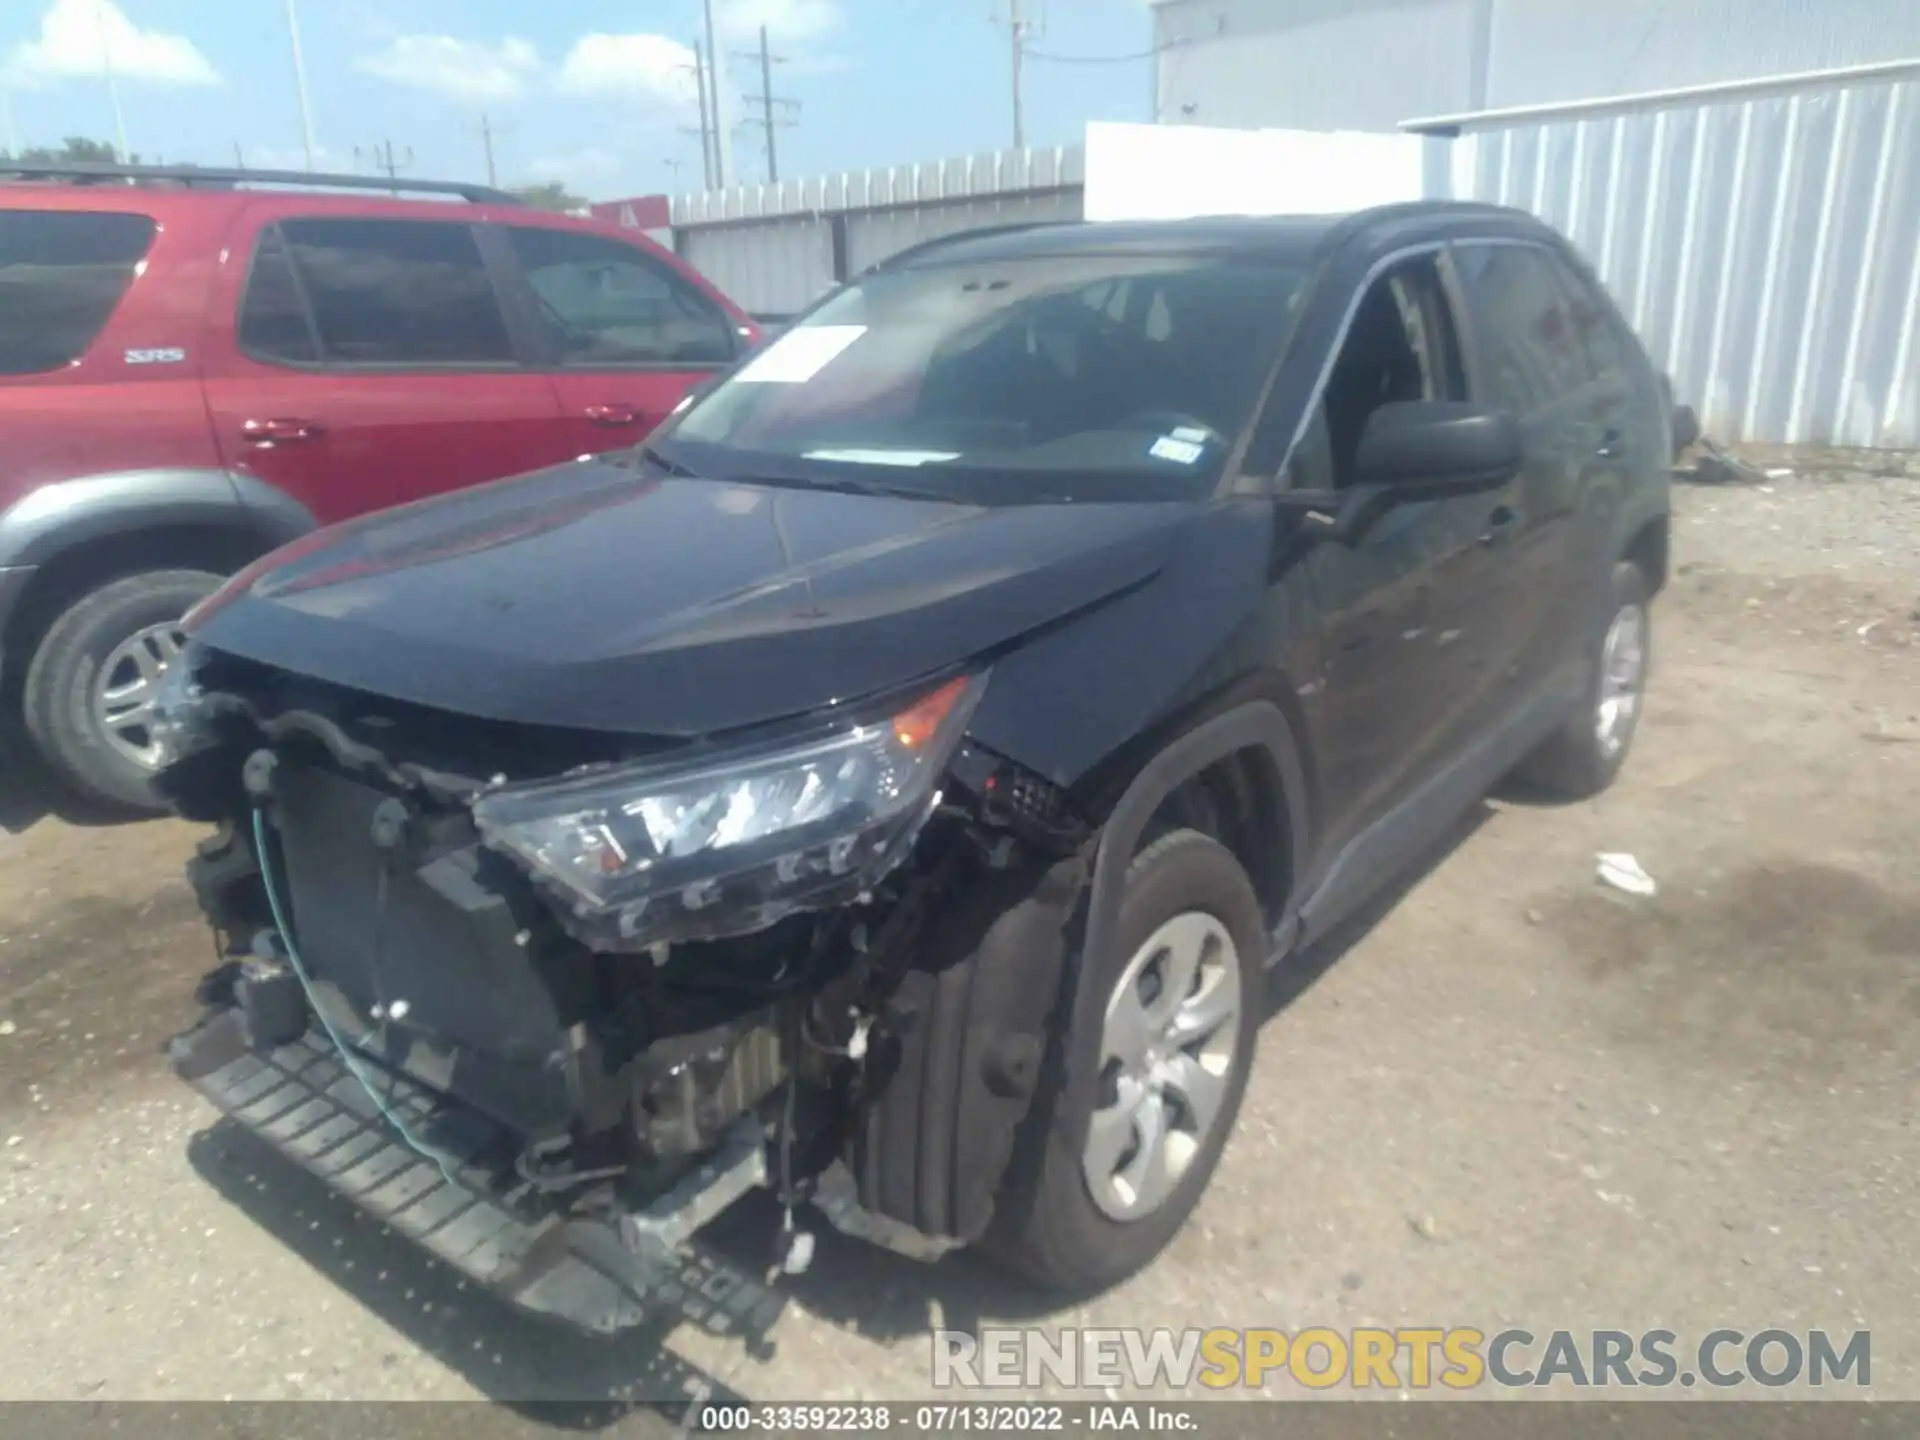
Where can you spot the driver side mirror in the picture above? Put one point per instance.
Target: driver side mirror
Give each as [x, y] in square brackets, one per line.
[1414, 450]
[1438, 447]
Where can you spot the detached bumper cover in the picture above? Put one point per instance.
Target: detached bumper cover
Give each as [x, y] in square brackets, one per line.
[304, 1102]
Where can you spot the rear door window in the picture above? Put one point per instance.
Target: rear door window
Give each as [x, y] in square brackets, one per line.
[1531, 352]
[61, 275]
[608, 304]
[412, 293]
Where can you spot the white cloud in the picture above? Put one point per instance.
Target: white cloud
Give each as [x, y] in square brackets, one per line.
[647, 67]
[469, 70]
[795, 20]
[83, 38]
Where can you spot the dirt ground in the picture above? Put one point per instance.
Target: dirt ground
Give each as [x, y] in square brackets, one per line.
[1515, 1097]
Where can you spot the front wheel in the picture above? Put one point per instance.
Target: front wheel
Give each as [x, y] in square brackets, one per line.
[93, 677]
[1156, 1060]
[1583, 756]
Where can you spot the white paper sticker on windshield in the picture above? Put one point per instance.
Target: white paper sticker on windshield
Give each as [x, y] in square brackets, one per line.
[1192, 433]
[1183, 451]
[884, 457]
[799, 355]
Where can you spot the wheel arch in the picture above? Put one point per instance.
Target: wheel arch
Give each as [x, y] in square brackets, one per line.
[72, 537]
[1249, 748]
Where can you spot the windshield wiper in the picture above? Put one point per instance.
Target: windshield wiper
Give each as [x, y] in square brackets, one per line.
[844, 485]
[672, 467]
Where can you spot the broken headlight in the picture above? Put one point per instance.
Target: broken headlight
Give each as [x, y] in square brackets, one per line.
[727, 846]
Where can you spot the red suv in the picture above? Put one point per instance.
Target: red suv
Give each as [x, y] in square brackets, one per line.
[192, 373]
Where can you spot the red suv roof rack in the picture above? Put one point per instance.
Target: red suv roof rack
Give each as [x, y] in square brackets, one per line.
[82, 172]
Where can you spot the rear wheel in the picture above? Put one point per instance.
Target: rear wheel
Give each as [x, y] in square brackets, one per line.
[90, 687]
[1156, 1062]
[1583, 757]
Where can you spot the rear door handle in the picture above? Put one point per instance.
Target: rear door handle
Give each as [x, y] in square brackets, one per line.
[280, 431]
[613, 414]
[1500, 525]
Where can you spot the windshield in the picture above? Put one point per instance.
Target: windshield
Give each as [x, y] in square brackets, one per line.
[1086, 377]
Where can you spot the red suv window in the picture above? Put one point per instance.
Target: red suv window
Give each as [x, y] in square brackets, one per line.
[61, 274]
[609, 304]
[373, 292]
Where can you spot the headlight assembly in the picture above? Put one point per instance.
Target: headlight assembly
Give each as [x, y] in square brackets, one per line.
[729, 845]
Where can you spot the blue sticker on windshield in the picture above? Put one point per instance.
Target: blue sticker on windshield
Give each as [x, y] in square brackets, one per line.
[1184, 452]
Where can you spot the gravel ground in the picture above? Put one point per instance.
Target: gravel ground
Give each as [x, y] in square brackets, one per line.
[1512, 1097]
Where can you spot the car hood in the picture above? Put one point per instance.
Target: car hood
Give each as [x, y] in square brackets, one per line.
[602, 596]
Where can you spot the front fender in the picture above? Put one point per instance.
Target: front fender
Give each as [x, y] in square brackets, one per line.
[55, 518]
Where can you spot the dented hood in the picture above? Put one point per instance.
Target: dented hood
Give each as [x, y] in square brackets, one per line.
[602, 596]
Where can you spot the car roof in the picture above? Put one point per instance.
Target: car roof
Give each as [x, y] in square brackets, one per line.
[1283, 238]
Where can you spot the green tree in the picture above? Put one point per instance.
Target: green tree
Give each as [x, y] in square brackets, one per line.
[73, 148]
[549, 196]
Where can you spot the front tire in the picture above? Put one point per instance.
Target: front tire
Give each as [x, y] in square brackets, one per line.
[1156, 1058]
[94, 671]
[1584, 756]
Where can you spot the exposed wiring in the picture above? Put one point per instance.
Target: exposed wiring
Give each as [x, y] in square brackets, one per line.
[418, 1146]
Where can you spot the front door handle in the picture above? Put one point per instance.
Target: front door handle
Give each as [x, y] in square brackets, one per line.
[280, 431]
[1500, 525]
[613, 414]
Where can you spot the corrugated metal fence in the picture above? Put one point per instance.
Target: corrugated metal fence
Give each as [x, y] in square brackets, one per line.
[777, 248]
[1765, 240]
[1763, 237]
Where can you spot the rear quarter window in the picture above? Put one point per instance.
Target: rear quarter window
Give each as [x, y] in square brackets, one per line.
[61, 275]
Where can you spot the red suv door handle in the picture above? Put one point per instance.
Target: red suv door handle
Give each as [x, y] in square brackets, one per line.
[279, 432]
[613, 414]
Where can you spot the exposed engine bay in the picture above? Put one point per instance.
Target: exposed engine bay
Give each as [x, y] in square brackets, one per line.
[602, 982]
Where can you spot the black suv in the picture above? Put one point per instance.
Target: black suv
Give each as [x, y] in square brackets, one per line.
[890, 785]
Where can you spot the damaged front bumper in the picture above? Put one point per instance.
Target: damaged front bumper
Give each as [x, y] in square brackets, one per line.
[468, 1208]
[554, 1095]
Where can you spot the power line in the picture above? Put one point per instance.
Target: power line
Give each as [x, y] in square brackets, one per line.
[767, 100]
[1104, 59]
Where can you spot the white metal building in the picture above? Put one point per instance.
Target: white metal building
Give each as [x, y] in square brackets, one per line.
[1370, 64]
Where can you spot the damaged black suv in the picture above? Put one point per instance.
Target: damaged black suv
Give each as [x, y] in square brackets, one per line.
[890, 785]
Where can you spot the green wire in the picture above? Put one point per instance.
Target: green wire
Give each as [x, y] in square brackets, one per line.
[425, 1151]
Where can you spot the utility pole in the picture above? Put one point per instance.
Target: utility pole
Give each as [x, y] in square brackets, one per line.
[767, 100]
[300, 83]
[239, 157]
[1017, 28]
[717, 89]
[383, 160]
[706, 130]
[113, 88]
[488, 133]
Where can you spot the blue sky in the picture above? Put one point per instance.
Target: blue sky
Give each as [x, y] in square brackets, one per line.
[594, 93]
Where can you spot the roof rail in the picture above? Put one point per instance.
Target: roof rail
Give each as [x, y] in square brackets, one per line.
[925, 247]
[92, 172]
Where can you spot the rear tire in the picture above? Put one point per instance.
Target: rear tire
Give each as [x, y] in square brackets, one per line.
[89, 674]
[1582, 758]
[1066, 1224]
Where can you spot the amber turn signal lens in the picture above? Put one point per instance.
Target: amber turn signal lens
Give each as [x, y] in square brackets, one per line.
[916, 725]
